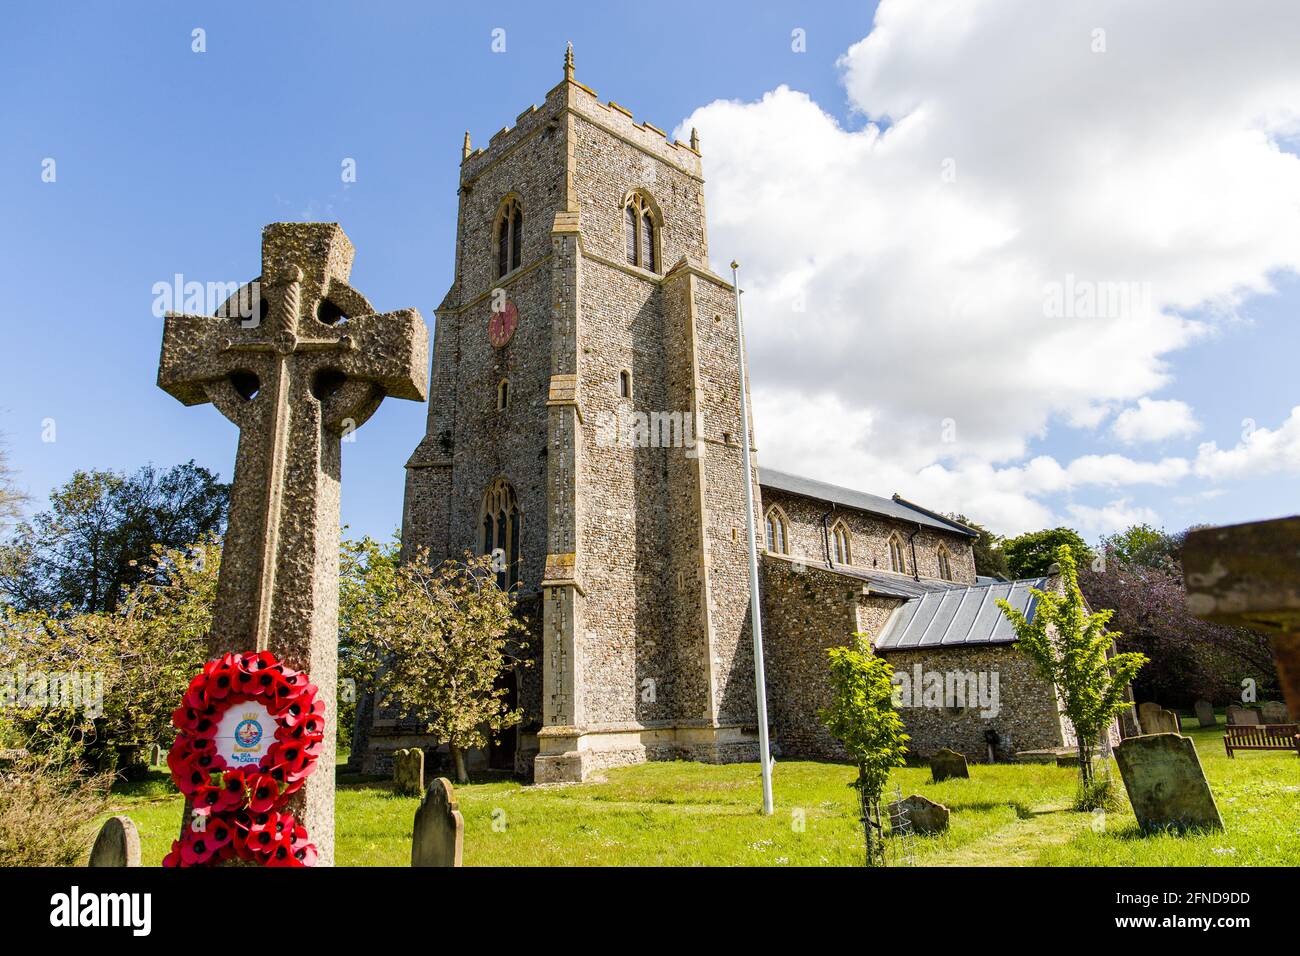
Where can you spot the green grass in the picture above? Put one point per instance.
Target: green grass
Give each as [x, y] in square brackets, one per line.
[694, 814]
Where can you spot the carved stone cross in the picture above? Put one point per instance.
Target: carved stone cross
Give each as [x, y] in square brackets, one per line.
[312, 365]
[1248, 575]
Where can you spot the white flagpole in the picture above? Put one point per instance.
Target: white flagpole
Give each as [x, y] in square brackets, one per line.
[755, 613]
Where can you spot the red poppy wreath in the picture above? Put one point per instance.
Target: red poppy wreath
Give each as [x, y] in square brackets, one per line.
[249, 732]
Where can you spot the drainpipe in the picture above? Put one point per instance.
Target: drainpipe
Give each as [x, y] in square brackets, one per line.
[911, 541]
[826, 535]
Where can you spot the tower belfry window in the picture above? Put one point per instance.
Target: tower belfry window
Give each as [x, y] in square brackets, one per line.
[509, 230]
[640, 231]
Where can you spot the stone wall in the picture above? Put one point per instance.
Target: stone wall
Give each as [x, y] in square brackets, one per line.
[809, 609]
[1027, 715]
[869, 537]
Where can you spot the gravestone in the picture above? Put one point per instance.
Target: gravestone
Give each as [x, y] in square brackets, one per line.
[408, 772]
[1238, 716]
[155, 756]
[1157, 720]
[1274, 712]
[1205, 714]
[439, 834]
[314, 367]
[1165, 783]
[925, 816]
[1247, 575]
[948, 763]
[118, 844]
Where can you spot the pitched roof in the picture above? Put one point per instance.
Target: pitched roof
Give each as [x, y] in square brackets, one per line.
[958, 617]
[894, 507]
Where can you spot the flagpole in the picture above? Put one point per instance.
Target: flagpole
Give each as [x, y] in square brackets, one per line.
[755, 613]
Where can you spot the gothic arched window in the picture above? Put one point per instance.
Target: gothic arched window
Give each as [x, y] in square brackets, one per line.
[509, 231]
[945, 564]
[501, 532]
[897, 556]
[841, 546]
[778, 537]
[641, 231]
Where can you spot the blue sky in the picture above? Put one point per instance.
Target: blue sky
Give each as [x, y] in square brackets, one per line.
[171, 161]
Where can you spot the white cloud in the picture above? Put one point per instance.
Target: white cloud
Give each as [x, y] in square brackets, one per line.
[1110, 518]
[1155, 420]
[1260, 452]
[926, 294]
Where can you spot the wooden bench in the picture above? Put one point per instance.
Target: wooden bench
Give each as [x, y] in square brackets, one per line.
[1262, 737]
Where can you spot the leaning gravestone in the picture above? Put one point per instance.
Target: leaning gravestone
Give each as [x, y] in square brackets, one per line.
[1157, 720]
[924, 816]
[118, 844]
[408, 772]
[948, 763]
[295, 382]
[1274, 712]
[439, 834]
[1165, 783]
[1242, 715]
[1205, 713]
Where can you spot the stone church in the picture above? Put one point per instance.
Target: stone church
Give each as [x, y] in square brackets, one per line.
[583, 425]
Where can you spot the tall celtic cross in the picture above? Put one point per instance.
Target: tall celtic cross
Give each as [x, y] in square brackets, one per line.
[309, 365]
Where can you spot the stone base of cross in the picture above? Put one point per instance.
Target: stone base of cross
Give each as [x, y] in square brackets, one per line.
[1248, 575]
[297, 359]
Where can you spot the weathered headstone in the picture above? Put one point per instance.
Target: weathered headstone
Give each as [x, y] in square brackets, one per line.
[295, 382]
[1205, 713]
[408, 772]
[1247, 575]
[924, 816]
[947, 763]
[118, 844]
[439, 834]
[1165, 783]
[1274, 712]
[1238, 716]
[155, 756]
[1157, 720]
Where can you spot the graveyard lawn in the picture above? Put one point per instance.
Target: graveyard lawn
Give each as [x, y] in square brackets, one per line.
[697, 814]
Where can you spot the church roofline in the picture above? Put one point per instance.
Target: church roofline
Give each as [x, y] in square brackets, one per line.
[897, 508]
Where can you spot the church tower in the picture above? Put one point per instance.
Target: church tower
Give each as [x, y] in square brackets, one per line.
[584, 425]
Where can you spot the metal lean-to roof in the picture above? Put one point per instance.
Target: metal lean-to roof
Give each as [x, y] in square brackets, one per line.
[888, 507]
[958, 617]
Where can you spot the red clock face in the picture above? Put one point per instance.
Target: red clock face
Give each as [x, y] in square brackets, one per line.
[502, 325]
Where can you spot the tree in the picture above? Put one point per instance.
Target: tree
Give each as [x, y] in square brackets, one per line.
[1031, 554]
[93, 541]
[11, 499]
[130, 665]
[435, 645]
[989, 559]
[862, 718]
[1141, 579]
[1072, 649]
[367, 582]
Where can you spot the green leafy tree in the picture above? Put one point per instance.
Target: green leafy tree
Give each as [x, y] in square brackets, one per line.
[367, 585]
[862, 718]
[11, 499]
[989, 559]
[434, 645]
[133, 663]
[97, 536]
[1031, 554]
[1071, 648]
